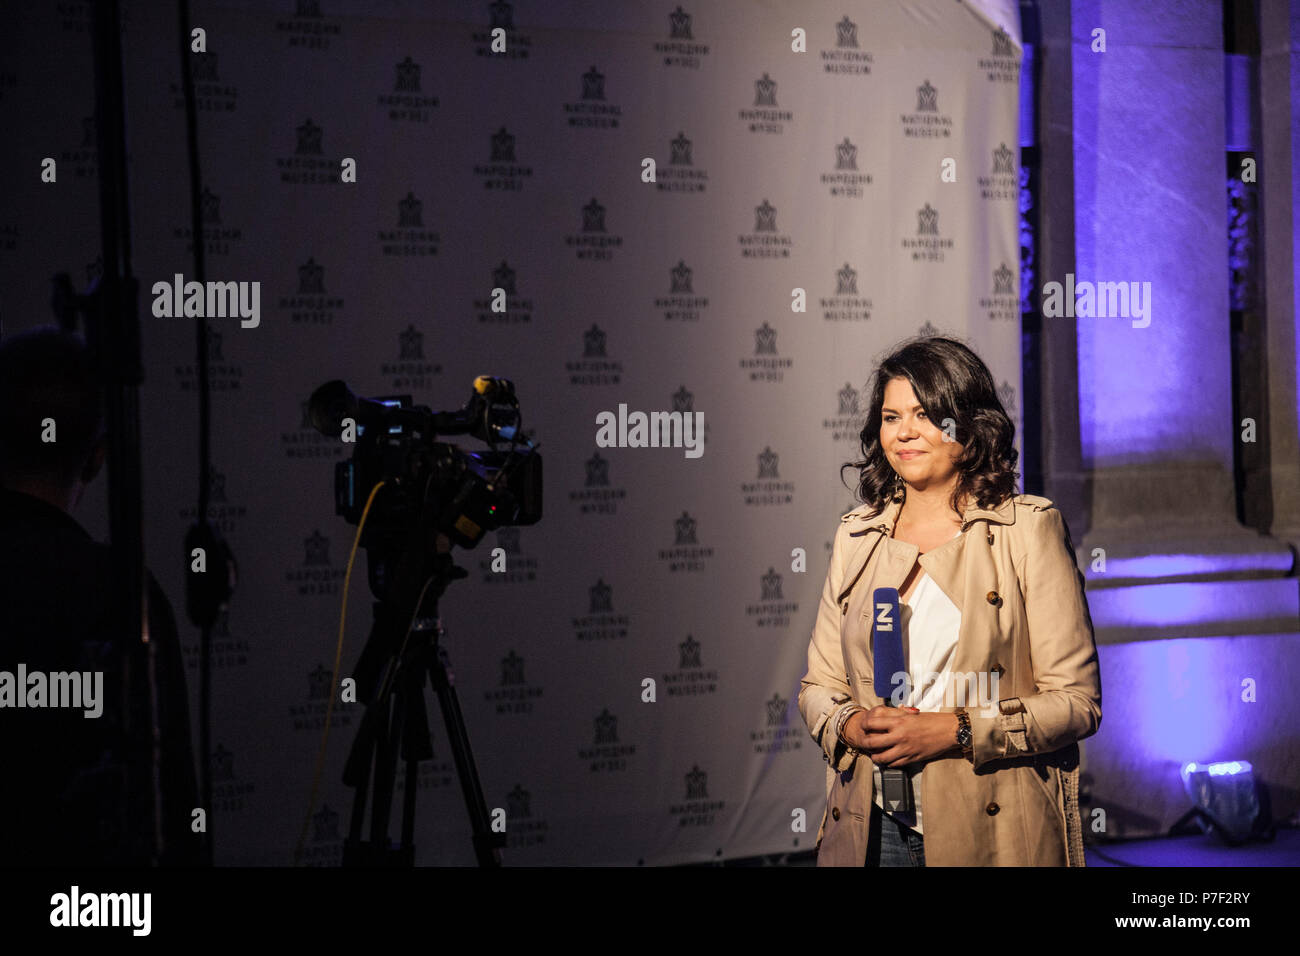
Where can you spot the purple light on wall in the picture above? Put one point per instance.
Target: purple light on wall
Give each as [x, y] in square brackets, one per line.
[1192, 604]
[1178, 565]
[1175, 701]
[1157, 394]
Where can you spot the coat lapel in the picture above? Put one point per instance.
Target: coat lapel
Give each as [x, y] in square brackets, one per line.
[864, 538]
[944, 565]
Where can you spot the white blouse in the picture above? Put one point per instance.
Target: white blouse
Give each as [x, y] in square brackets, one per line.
[931, 623]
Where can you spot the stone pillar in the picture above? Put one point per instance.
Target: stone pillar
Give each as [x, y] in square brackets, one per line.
[1065, 481]
[1155, 402]
[1193, 612]
[1279, 152]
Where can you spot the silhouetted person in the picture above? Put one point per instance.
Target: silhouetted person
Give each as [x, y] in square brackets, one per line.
[76, 789]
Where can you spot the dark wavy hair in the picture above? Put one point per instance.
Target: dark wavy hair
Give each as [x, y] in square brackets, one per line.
[950, 381]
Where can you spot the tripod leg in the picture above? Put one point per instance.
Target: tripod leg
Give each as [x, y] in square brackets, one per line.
[486, 843]
[372, 765]
[416, 747]
[356, 774]
[385, 771]
[360, 762]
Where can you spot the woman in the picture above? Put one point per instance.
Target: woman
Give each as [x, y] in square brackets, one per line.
[997, 643]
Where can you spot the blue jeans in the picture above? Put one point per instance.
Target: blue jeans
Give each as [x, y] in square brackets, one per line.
[892, 843]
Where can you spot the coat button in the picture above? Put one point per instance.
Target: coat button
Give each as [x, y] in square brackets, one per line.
[993, 598]
[990, 537]
[991, 809]
[844, 606]
[835, 813]
[999, 670]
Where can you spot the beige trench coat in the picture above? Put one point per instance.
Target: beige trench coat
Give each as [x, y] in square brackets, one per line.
[1024, 616]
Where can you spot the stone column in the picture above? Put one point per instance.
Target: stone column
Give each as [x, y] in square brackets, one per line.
[1192, 610]
[1065, 481]
[1279, 76]
[1155, 402]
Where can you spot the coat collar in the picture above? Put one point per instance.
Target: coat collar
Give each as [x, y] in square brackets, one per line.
[863, 519]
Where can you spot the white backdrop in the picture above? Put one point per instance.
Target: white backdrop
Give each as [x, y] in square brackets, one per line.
[775, 171]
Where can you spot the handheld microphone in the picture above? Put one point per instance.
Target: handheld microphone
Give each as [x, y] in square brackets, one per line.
[887, 642]
[887, 656]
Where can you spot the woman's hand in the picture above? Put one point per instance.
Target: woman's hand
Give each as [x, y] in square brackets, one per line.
[897, 736]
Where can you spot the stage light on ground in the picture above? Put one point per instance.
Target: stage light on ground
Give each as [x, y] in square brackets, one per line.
[1223, 795]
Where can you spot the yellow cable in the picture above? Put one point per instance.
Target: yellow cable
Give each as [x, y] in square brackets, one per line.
[338, 657]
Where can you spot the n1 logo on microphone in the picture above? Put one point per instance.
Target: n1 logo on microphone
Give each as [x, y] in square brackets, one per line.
[884, 616]
[888, 610]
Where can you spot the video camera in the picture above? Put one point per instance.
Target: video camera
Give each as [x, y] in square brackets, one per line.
[469, 492]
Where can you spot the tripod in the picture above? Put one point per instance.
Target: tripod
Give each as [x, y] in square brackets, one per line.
[402, 650]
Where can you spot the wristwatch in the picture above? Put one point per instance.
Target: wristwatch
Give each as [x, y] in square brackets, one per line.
[964, 738]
